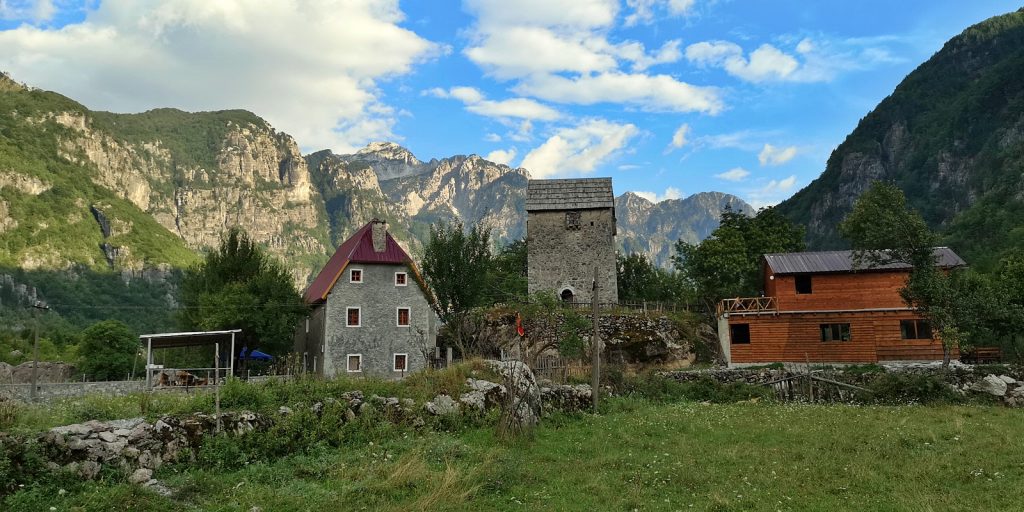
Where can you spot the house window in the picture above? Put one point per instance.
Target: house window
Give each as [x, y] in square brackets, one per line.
[572, 221]
[835, 332]
[355, 363]
[355, 275]
[403, 317]
[401, 278]
[739, 334]
[915, 330]
[401, 362]
[352, 318]
[803, 284]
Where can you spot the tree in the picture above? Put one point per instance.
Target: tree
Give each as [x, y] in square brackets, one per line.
[456, 265]
[107, 350]
[728, 263]
[238, 286]
[640, 280]
[507, 276]
[883, 230]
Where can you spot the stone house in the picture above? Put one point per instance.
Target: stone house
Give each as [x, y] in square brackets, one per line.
[371, 314]
[570, 231]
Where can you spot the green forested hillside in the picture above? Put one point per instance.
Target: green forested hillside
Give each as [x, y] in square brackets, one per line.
[951, 136]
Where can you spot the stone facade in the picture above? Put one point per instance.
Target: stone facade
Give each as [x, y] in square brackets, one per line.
[378, 337]
[563, 250]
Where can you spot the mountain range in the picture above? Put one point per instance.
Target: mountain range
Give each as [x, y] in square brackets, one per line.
[83, 191]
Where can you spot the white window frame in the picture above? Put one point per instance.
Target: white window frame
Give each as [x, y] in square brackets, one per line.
[394, 358]
[362, 276]
[406, 274]
[399, 308]
[348, 365]
[360, 310]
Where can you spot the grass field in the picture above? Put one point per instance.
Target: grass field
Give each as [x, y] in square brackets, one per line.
[635, 456]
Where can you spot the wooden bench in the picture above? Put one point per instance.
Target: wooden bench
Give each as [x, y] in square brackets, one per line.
[983, 355]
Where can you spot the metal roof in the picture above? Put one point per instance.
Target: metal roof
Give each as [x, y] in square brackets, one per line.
[357, 249]
[188, 339]
[573, 194]
[842, 261]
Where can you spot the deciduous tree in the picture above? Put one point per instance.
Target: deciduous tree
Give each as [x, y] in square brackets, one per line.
[239, 286]
[456, 263]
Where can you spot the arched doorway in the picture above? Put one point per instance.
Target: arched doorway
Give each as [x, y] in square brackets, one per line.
[566, 295]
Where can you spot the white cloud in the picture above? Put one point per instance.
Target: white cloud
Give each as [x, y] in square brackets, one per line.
[679, 137]
[820, 60]
[654, 197]
[766, 63]
[734, 174]
[745, 140]
[522, 108]
[561, 52]
[575, 14]
[650, 92]
[646, 11]
[311, 69]
[771, 155]
[492, 137]
[27, 10]
[772, 193]
[578, 150]
[502, 156]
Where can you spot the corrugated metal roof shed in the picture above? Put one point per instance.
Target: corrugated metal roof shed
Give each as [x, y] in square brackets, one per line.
[571, 194]
[842, 261]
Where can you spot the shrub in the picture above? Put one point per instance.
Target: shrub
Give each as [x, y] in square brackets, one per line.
[662, 389]
[902, 388]
[108, 349]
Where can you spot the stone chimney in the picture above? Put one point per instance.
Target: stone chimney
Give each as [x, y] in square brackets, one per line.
[380, 235]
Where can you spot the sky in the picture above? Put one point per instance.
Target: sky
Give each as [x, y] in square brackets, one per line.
[668, 97]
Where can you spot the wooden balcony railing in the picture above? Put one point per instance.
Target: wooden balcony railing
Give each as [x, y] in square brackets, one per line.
[748, 305]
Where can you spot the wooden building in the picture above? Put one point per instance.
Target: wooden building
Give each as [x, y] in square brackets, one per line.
[816, 307]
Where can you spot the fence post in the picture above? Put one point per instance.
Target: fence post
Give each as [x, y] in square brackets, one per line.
[595, 347]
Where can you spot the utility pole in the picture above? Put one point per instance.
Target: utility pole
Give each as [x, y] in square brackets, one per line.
[38, 308]
[595, 347]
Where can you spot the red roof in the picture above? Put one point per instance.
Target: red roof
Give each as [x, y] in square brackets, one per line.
[357, 249]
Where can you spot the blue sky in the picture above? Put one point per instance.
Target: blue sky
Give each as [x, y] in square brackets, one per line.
[669, 97]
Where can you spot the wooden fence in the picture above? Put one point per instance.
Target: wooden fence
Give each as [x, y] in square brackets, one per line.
[559, 369]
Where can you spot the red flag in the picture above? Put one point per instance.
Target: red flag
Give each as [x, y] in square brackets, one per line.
[519, 325]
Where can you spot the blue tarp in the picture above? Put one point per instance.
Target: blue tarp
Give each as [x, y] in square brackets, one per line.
[260, 356]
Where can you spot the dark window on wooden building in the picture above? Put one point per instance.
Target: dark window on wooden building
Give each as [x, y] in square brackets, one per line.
[739, 334]
[803, 283]
[835, 332]
[915, 330]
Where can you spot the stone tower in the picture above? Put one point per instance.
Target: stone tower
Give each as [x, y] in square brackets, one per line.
[570, 230]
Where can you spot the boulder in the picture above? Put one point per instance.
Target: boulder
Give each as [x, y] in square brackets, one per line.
[474, 400]
[990, 384]
[524, 406]
[442, 405]
[1007, 379]
[284, 410]
[141, 476]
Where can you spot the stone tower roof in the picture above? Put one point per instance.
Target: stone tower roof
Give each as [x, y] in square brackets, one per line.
[572, 194]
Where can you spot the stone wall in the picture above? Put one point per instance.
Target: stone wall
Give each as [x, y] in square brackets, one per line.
[378, 337]
[564, 259]
[53, 390]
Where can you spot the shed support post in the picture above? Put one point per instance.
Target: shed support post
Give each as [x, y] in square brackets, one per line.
[216, 383]
[232, 374]
[149, 363]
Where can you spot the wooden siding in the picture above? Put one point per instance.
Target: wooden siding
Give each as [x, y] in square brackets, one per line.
[874, 336]
[863, 290]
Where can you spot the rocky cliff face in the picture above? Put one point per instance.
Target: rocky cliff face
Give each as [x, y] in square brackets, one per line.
[143, 183]
[651, 229]
[259, 181]
[950, 136]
